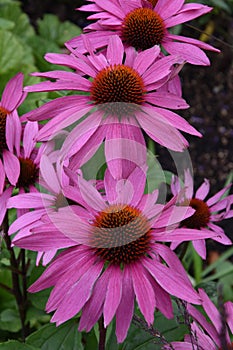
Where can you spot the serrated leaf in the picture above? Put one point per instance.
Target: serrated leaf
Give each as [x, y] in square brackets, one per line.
[67, 30]
[50, 28]
[11, 51]
[64, 337]
[13, 345]
[11, 11]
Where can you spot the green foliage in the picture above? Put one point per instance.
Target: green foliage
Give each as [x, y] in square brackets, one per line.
[13, 345]
[23, 50]
[64, 337]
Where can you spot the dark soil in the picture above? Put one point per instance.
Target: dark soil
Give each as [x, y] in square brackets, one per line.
[208, 90]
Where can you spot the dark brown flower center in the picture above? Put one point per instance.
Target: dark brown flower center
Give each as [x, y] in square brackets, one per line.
[3, 115]
[28, 172]
[143, 28]
[121, 234]
[118, 83]
[200, 218]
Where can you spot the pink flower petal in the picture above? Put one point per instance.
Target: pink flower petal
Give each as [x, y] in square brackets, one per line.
[68, 223]
[11, 166]
[3, 202]
[166, 100]
[92, 310]
[161, 131]
[188, 52]
[168, 9]
[115, 50]
[211, 310]
[144, 59]
[12, 93]
[172, 282]
[125, 309]
[90, 195]
[113, 294]
[71, 62]
[203, 190]
[217, 196]
[77, 295]
[200, 247]
[200, 318]
[29, 138]
[31, 200]
[49, 175]
[187, 13]
[143, 291]
[2, 177]
[25, 220]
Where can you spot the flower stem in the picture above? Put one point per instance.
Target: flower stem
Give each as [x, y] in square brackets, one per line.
[20, 296]
[102, 332]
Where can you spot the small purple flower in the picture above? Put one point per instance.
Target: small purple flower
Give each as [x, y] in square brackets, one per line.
[207, 212]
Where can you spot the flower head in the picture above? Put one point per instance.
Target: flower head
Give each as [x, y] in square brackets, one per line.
[143, 24]
[125, 93]
[116, 257]
[10, 129]
[207, 212]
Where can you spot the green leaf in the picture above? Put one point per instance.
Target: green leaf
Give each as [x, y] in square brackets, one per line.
[67, 30]
[13, 345]
[39, 299]
[11, 51]
[50, 28]
[6, 25]
[156, 176]
[64, 337]
[40, 47]
[11, 11]
[10, 321]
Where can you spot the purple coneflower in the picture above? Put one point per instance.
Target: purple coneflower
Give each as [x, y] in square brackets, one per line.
[143, 24]
[207, 212]
[10, 130]
[117, 256]
[125, 93]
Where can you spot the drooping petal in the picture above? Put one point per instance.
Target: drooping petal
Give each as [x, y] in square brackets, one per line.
[125, 309]
[188, 52]
[113, 294]
[11, 166]
[77, 295]
[143, 291]
[200, 247]
[3, 202]
[49, 175]
[172, 282]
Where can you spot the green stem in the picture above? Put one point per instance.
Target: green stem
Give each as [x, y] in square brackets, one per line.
[20, 297]
[184, 250]
[197, 265]
[102, 332]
